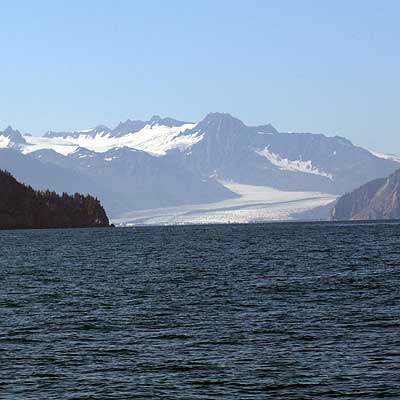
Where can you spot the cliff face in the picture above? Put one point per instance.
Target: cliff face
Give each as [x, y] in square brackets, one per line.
[21, 207]
[379, 199]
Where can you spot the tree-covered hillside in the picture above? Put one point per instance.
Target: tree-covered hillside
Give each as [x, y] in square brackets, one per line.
[21, 207]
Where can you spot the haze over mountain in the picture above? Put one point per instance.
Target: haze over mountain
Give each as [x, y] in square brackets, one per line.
[165, 163]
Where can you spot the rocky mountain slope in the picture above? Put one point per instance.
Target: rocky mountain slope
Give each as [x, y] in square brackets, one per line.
[378, 199]
[21, 207]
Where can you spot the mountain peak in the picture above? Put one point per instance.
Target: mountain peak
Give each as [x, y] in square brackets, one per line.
[218, 115]
[128, 126]
[14, 135]
[170, 122]
[101, 128]
[226, 118]
[9, 130]
[267, 128]
[155, 118]
[132, 126]
[222, 121]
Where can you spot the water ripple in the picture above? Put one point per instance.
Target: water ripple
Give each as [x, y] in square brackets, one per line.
[280, 311]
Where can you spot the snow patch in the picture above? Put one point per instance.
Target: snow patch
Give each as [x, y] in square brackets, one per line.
[292, 165]
[153, 138]
[110, 158]
[264, 133]
[61, 146]
[85, 130]
[4, 141]
[391, 157]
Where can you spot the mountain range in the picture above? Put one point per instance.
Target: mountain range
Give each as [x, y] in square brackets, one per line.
[164, 164]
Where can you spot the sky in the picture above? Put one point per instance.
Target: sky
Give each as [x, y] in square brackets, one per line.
[328, 67]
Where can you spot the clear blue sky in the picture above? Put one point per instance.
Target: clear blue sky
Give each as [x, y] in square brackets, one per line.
[319, 66]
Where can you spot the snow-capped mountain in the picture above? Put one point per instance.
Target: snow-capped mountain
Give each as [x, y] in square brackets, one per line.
[164, 162]
[11, 138]
[260, 155]
[156, 137]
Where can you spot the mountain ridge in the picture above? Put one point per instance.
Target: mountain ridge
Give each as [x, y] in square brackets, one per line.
[375, 200]
[165, 162]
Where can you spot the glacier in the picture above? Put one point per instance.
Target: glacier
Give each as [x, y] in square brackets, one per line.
[255, 204]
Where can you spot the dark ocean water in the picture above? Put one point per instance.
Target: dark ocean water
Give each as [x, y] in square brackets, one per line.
[279, 311]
